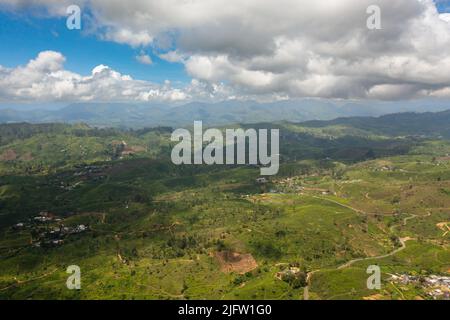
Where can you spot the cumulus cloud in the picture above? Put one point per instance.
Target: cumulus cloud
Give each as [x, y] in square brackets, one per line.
[45, 79]
[126, 36]
[286, 48]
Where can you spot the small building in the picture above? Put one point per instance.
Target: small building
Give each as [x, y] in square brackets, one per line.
[81, 228]
[19, 226]
[261, 180]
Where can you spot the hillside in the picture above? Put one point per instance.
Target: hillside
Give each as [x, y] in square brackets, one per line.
[402, 124]
[110, 201]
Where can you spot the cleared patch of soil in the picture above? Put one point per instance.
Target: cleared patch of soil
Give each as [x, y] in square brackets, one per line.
[8, 155]
[374, 297]
[444, 226]
[27, 156]
[132, 150]
[235, 262]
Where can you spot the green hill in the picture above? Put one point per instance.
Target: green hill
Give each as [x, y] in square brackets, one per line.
[347, 196]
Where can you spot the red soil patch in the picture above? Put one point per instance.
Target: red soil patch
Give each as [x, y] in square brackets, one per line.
[374, 297]
[127, 150]
[8, 155]
[132, 150]
[235, 262]
[26, 156]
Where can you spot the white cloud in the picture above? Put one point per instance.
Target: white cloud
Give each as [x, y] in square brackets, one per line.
[45, 79]
[445, 17]
[172, 56]
[144, 59]
[285, 48]
[126, 36]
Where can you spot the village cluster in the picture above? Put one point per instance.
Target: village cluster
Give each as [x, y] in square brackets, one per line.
[91, 173]
[47, 230]
[295, 185]
[437, 287]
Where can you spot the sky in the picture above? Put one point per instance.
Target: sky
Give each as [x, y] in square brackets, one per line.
[214, 50]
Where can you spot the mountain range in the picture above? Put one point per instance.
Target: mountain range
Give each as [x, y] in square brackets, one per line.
[128, 115]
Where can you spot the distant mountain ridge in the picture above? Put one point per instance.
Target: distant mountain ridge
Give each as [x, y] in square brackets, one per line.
[435, 124]
[228, 112]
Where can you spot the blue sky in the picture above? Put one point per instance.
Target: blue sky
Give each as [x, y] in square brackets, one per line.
[443, 5]
[23, 36]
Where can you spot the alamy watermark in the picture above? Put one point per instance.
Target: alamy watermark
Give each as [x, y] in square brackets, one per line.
[74, 280]
[374, 281]
[239, 146]
[73, 21]
[374, 20]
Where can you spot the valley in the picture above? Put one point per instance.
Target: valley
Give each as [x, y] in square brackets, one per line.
[111, 202]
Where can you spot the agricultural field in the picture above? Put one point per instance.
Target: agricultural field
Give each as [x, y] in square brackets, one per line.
[139, 227]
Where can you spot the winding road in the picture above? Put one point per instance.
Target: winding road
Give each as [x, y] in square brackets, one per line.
[351, 262]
